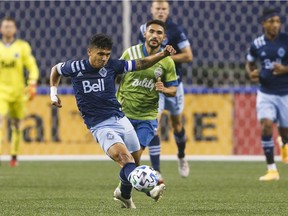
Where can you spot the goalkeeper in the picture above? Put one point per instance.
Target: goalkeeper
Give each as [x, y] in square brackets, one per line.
[15, 55]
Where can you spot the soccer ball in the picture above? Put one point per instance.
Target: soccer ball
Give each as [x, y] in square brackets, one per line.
[143, 178]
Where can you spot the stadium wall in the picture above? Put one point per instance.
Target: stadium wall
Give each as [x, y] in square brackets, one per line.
[217, 122]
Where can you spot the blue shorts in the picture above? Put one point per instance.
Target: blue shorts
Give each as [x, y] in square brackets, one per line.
[273, 107]
[145, 130]
[116, 130]
[174, 105]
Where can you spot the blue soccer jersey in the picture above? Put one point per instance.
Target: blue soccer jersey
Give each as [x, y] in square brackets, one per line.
[95, 88]
[175, 36]
[270, 52]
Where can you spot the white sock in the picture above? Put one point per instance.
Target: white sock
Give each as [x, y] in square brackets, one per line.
[272, 167]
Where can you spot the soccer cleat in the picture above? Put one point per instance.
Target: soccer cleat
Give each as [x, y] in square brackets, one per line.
[183, 167]
[13, 163]
[127, 203]
[270, 176]
[283, 150]
[160, 178]
[157, 192]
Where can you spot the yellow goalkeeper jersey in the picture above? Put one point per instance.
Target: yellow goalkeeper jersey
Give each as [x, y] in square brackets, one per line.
[13, 59]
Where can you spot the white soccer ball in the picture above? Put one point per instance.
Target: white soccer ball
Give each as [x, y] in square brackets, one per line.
[143, 178]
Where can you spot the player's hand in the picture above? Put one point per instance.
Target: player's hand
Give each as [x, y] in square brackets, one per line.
[169, 50]
[31, 90]
[279, 69]
[159, 86]
[56, 102]
[254, 75]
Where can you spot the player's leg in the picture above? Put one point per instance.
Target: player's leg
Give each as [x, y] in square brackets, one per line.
[3, 112]
[17, 113]
[266, 114]
[109, 135]
[154, 145]
[282, 106]
[145, 132]
[176, 106]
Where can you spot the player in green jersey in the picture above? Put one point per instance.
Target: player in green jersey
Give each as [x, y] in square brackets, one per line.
[138, 92]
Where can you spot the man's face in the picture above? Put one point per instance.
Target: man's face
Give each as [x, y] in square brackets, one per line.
[272, 26]
[154, 35]
[8, 28]
[160, 10]
[98, 58]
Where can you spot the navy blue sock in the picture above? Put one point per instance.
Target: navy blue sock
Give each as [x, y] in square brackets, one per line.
[154, 152]
[180, 139]
[268, 148]
[126, 187]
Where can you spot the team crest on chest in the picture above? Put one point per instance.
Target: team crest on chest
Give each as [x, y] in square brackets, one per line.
[158, 72]
[16, 55]
[103, 72]
[281, 52]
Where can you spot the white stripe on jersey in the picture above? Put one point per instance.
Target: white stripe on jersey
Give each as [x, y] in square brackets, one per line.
[134, 52]
[139, 51]
[58, 67]
[78, 65]
[130, 54]
[82, 65]
[183, 44]
[259, 42]
[73, 66]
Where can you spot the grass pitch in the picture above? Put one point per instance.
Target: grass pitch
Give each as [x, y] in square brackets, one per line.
[86, 188]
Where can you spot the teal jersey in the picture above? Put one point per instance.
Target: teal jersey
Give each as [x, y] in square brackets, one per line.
[136, 92]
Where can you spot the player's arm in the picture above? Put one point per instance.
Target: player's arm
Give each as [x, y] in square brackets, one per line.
[55, 78]
[250, 65]
[184, 56]
[144, 63]
[280, 69]
[167, 91]
[252, 71]
[31, 65]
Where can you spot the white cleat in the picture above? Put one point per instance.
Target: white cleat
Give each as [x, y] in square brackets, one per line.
[183, 167]
[126, 203]
[160, 178]
[157, 192]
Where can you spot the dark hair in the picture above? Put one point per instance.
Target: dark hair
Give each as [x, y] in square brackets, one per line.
[157, 22]
[101, 41]
[8, 18]
[269, 12]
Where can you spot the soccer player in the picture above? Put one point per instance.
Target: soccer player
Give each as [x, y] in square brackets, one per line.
[15, 55]
[271, 49]
[177, 38]
[93, 82]
[138, 92]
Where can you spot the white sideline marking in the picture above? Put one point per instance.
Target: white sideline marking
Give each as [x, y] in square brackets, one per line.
[144, 157]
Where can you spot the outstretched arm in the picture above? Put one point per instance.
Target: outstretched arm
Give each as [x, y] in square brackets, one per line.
[54, 82]
[280, 69]
[149, 61]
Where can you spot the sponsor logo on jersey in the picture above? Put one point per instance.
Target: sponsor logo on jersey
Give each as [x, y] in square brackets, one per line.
[145, 83]
[16, 55]
[93, 87]
[281, 52]
[10, 64]
[103, 72]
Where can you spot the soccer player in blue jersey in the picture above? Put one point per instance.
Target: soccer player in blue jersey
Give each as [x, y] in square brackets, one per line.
[176, 37]
[93, 82]
[271, 49]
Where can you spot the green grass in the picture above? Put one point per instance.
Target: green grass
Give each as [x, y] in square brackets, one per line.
[86, 188]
